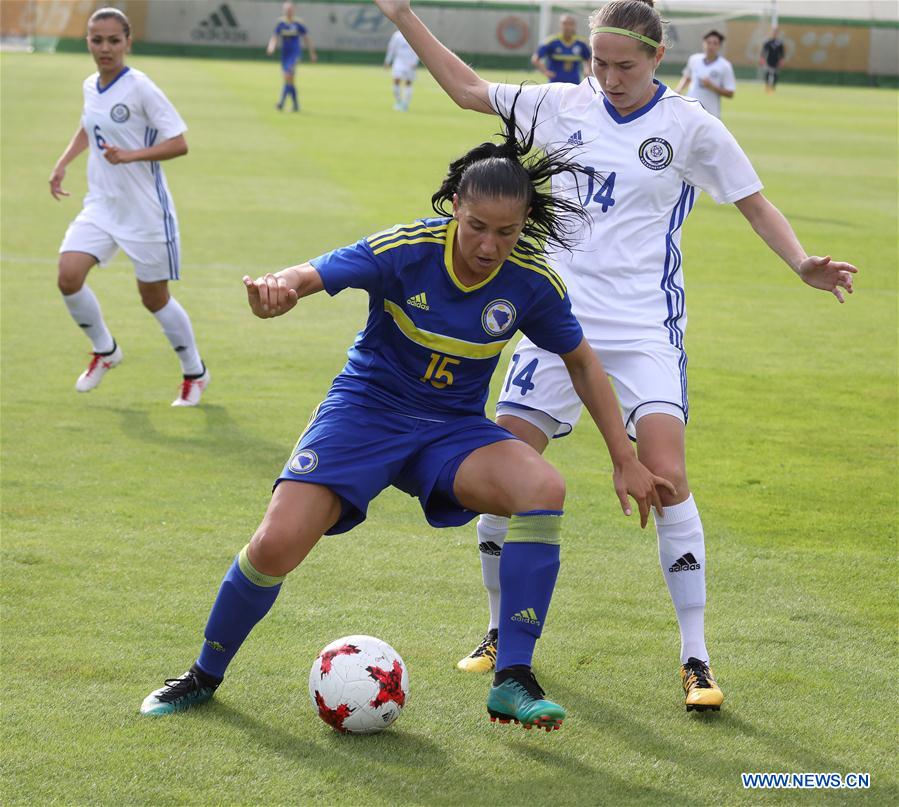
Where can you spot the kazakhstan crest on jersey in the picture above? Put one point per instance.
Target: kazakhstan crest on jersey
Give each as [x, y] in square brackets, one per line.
[656, 153]
[120, 113]
[498, 317]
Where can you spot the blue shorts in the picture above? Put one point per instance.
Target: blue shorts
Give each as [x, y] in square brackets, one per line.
[289, 63]
[357, 451]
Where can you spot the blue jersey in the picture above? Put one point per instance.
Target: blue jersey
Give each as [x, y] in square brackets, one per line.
[431, 344]
[564, 57]
[290, 33]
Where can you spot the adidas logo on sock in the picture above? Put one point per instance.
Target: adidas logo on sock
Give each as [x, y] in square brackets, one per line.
[490, 548]
[685, 563]
[527, 615]
[576, 139]
[221, 26]
[419, 301]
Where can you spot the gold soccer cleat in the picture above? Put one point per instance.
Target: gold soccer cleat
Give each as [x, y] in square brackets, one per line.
[700, 688]
[483, 658]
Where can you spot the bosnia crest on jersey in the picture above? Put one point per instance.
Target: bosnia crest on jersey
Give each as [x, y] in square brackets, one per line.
[303, 461]
[498, 317]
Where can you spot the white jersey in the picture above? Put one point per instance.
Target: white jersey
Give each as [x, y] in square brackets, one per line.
[132, 200]
[625, 278]
[400, 54]
[720, 72]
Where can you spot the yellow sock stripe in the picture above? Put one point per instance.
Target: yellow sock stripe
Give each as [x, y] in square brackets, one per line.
[440, 343]
[252, 575]
[535, 530]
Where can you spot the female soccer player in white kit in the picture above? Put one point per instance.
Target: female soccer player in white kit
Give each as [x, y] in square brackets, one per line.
[649, 152]
[128, 126]
[404, 62]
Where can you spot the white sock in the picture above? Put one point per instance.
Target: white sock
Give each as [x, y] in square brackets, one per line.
[176, 326]
[407, 95]
[491, 537]
[85, 310]
[396, 92]
[682, 556]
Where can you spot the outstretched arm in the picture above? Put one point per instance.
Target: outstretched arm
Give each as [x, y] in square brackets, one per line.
[275, 294]
[774, 229]
[459, 81]
[77, 144]
[630, 476]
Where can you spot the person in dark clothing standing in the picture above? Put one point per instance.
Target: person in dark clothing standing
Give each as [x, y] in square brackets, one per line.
[772, 58]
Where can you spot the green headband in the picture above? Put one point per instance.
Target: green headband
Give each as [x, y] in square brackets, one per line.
[624, 32]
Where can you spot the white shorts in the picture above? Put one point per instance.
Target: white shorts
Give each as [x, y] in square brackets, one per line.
[404, 73]
[153, 260]
[649, 377]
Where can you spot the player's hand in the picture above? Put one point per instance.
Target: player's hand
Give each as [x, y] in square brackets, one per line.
[636, 480]
[550, 74]
[313, 57]
[392, 8]
[706, 83]
[56, 179]
[269, 295]
[116, 155]
[828, 275]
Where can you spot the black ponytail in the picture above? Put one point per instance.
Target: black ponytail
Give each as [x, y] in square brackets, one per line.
[509, 170]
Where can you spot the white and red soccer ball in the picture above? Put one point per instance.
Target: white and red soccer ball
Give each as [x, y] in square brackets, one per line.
[358, 685]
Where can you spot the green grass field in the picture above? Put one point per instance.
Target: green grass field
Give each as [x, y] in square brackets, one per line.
[120, 514]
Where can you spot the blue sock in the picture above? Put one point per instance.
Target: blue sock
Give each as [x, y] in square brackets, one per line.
[285, 91]
[293, 94]
[528, 569]
[244, 598]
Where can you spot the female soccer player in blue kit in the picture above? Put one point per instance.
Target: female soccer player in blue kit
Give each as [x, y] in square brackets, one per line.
[446, 295]
[294, 36]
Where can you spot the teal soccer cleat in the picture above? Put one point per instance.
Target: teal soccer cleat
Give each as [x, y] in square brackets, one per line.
[178, 694]
[519, 698]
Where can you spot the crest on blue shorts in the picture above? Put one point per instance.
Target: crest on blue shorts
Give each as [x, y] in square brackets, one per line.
[498, 317]
[303, 461]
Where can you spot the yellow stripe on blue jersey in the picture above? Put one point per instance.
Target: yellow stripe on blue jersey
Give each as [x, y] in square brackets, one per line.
[527, 261]
[439, 342]
[431, 344]
[407, 235]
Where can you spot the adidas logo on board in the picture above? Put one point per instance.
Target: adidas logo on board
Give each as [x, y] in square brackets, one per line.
[219, 26]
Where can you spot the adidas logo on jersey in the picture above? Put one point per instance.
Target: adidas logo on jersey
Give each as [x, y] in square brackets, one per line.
[576, 139]
[685, 563]
[419, 301]
[527, 615]
[219, 26]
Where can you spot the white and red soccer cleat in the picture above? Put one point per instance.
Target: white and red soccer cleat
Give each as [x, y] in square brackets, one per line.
[100, 364]
[192, 389]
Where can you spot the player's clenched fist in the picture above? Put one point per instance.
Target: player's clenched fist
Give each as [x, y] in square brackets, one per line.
[269, 295]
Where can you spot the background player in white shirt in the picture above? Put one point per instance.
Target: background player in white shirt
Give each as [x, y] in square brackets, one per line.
[648, 151]
[709, 75]
[128, 126]
[404, 62]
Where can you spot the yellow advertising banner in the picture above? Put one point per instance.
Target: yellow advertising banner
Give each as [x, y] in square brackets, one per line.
[838, 48]
[62, 18]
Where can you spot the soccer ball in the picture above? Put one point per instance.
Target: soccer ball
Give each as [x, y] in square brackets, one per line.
[358, 685]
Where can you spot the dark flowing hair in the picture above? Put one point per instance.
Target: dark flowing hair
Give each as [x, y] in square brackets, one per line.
[509, 170]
